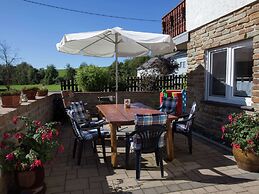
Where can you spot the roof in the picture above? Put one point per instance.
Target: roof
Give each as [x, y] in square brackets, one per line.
[150, 63]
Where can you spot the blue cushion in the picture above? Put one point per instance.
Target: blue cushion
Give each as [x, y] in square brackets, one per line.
[169, 105]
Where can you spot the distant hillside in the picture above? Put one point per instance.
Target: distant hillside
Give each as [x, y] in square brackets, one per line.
[61, 72]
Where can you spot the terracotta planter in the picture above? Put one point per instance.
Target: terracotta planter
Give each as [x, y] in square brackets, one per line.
[30, 94]
[246, 160]
[30, 181]
[10, 101]
[42, 93]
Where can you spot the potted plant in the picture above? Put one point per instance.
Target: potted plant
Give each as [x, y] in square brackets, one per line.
[243, 133]
[30, 92]
[25, 151]
[43, 91]
[10, 98]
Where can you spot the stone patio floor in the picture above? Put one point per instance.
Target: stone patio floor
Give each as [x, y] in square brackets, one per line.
[207, 170]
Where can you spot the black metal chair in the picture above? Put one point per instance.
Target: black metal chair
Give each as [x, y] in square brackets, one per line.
[148, 137]
[82, 136]
[183, 125]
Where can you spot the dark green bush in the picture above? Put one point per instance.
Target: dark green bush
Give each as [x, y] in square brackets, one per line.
[92, 78]
[10, 92]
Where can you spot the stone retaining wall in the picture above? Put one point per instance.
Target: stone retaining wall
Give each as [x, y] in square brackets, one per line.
[239, 25]
[41, 109]
[148, 98]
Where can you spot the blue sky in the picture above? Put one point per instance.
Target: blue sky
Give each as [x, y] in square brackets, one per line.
[33, 30]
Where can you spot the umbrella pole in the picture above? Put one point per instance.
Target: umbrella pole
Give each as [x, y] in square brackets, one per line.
[116, 66]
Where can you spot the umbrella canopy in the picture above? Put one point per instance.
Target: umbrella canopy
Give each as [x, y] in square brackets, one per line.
[116, 42]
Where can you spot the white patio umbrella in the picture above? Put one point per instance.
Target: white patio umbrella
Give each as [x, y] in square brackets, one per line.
[116, 42]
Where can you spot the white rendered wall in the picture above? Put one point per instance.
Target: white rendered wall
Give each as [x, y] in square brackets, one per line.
[200, 12]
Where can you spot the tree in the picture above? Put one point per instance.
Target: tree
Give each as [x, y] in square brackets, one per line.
[40, 75]
[92, 78]
[125, 69]
[51, 74]
[70, 72]
[7, 58]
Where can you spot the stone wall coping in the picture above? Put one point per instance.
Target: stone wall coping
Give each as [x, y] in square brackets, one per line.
[4, 111]
[220, 104]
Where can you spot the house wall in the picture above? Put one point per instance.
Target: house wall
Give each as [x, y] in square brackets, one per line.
[200, 12]
[239, 25]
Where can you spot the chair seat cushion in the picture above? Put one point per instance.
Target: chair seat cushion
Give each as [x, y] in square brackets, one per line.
[169, 105]
[181, 128]
[92, 124]
[135, 142]
[93, 133]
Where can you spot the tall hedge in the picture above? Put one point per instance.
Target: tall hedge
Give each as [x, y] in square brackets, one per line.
[92, 78]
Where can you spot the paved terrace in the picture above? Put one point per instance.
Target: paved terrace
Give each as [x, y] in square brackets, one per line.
[207, 170]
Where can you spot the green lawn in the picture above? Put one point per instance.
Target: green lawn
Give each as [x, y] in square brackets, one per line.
[51, 88]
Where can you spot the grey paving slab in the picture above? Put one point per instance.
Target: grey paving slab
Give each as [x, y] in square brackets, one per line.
[207, 170]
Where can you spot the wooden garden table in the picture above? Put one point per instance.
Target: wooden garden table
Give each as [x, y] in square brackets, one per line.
[117, 115]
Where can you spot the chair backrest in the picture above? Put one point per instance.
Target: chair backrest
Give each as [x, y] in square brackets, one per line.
[80, 113]
[169, 105]
[191, 114]
[67, 98]
[148, 131]
[76, 128]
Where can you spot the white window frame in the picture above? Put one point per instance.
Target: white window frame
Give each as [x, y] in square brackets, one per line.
[229, 93]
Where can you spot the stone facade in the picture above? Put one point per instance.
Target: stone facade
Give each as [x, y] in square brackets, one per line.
[240, 25]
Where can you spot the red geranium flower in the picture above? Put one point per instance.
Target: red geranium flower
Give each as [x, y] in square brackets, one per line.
[6, 135]
[15, 119]
[9, 156]
[18, 136]
[235, 145]
[223, 129]
[36, 163]
[37, 123]
[230, 118]
[250, 141]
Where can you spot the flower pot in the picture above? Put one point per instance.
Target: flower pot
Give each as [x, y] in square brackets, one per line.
[30, 181]
[246, 160]
[42, 93]
[30, 94]
[12, 101]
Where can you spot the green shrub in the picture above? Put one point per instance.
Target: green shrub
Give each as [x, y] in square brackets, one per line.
[92, 78]
[10, 92]
[30, 88]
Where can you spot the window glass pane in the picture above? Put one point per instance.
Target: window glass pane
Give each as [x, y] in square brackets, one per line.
[218, 73]
[243, 64]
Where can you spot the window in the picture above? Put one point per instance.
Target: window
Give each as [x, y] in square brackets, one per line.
[229, 74]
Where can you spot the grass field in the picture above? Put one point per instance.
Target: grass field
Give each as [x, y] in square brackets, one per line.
[51, 88]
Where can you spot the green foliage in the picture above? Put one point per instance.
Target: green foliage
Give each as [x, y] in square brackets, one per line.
[10, 92]
[29, 88]
[70, 72]
[243, 131]
[92, 78]
[126, 69]
[51, 74]
[30, 147]
[43, 89]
